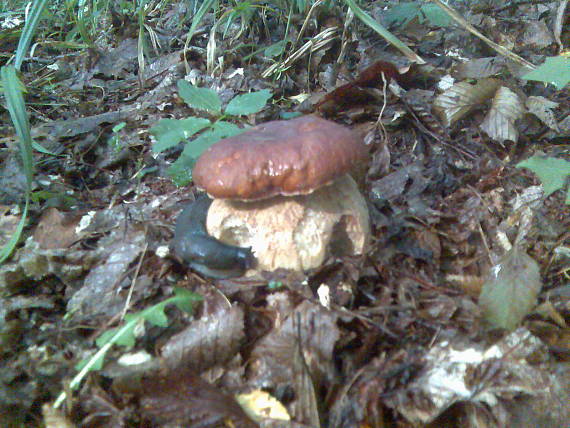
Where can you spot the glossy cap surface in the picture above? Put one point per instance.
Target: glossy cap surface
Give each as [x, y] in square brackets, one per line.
[285, 157]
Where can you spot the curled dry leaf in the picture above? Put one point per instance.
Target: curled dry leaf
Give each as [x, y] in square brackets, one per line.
[212, 340]
[499, 123]
[479, 382]
[181, 398]
[462, 98]
[510, 292]
[479, 67]
[542, 108]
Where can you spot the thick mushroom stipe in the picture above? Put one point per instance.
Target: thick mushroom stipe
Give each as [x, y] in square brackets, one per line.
[284, 157]
[297, 232]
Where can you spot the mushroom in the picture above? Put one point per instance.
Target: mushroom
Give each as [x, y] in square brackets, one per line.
[283, 188]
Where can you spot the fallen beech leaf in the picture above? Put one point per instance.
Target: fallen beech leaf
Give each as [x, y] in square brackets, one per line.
[56, 229]
[181, 398]
[353, 93]
[462, 98]
[542, 108]
[510, 292]
[499, 123]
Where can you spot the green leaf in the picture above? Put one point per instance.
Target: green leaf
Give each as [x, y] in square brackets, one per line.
[11, 244]
[124, 335]
[157, 317]
[555, 70]
[552, 172]
[17, 108]
[435, 15]
[248, 103]
[170, 132]
[201, 143]
[106, 337]
[181, 170]
[27, 35]
[95, 362]
[402, 13]
[185, 299]
[200, 98]
[204, 7]
[510, 292]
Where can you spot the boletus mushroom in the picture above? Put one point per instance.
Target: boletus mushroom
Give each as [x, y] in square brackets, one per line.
[283, 188]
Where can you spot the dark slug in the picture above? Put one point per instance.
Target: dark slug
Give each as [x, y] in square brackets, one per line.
[204, 253]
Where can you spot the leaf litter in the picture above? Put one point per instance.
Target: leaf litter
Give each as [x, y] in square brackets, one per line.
[402, 336]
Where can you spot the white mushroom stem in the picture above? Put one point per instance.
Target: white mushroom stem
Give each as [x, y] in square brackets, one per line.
[295, 232]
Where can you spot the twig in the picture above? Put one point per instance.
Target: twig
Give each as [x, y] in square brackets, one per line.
[501, 50]
[135, 277]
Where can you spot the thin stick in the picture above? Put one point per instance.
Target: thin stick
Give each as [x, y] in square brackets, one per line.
[501, 50]
[133, 282]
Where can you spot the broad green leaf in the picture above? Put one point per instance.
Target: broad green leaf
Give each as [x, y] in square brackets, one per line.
[181, 170]
[435, 15]
[555, 70]
[203, 141]
[170, 132]
[200, 98]
[401, 14]
[185, 299]
[552, 172]
[510, 292]
[248, 103]
[157, 316]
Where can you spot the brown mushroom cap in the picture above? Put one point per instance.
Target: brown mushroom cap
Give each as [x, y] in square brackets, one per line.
[284, 157]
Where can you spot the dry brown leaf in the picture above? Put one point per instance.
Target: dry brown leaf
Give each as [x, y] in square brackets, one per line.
[542, 108]
[510, 292]
[462, 98]
[499, 123]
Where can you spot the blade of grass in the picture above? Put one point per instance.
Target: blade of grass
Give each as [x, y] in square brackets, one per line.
[29, 29]
[141, 43]
[11, 244]
[17, 109]
[205, 7]
[389, 37]
[82, 26]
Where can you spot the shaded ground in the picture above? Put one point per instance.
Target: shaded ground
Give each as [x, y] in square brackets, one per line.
[392, 338]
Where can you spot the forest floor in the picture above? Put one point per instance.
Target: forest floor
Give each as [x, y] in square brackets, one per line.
[396, 336]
